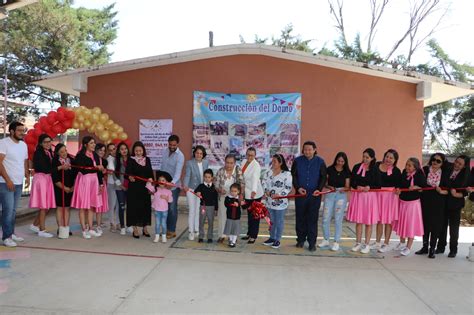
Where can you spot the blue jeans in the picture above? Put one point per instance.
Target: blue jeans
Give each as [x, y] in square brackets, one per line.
[278, 223]
[334, 204]
[9, 201]
[122, 202]
[173, 211]
[160, 220]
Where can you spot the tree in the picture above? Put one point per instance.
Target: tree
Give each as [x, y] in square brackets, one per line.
[51, 36]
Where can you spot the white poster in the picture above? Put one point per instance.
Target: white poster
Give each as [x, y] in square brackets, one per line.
[154, 134]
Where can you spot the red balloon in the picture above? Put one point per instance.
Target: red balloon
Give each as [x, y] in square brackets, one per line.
[30, 132]
[128, 142]
[66, 124]
[70, 114]
[37, 125]
[37, 132]
[61, 116]
[61, 109]
[56, 128]
[52, 134]
[46, 129]
[29, 139]
[31, 148]
[52, 117]
[43, 122]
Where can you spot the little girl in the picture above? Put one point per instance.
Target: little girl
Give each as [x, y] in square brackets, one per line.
[162, 196]
[410, 221]
[233, 205]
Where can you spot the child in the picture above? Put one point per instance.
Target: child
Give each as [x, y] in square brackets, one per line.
[208, 194]
[162, 196]
[233, 205]
[410, 221]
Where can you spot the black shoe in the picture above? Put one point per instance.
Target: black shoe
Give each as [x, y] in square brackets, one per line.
[299, 245]
[422, 251]
[209, 241]
[245, 238]
[268, 242]
[431, 253]
[135, 236]
[146, 234]
[312, 248]
[200, 240]
[452, 254]
[276, 245]
[439, 250]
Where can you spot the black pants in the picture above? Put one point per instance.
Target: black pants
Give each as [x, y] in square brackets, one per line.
[307, 214]
[452, 218]
[253, 224]
[433, 209]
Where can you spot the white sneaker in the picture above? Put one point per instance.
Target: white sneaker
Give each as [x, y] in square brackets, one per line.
[17, 238]
[157, 238]
[196, 234]
[9, 242]
[99, 231]
[34, 228]
[405, 252]
[400, 246]
[356, 247]
[365, 249]
[384, 248]
[130, 229]
[45, 234]
[86, 235]
[93, 233]
[191, 236]
[335, 247]
[123, 231]
[324, 243]
[375, 245]
[163, 238]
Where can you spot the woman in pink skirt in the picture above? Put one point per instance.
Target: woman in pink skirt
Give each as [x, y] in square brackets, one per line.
[410, 219]
[390, 176]
[87, 194]
[100, 150]
[42, 190]
[363, 207]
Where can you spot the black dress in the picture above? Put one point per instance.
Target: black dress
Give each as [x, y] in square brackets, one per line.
[433, 206]
[138, 197]
[69, 179]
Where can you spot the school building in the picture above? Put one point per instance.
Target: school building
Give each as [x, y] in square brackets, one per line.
[346, 105]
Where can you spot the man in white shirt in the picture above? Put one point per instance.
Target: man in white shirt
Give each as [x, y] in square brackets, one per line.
[13, 168]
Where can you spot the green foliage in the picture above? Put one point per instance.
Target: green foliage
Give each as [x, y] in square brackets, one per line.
[51, 36]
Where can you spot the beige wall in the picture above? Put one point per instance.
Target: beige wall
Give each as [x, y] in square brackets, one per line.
[341, 110]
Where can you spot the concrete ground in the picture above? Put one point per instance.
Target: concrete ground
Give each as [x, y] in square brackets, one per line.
[121, 275]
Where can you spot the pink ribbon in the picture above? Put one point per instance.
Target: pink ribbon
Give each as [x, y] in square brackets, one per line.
[411, 178]
[140, 160]
[389, 170]
[362, 169]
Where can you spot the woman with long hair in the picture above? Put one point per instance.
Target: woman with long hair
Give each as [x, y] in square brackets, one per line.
[63, 178]
[121, 184]
[363, 206]
[138, 197]
[87, 195]
[277, 183]
[100, 150]
[338, 179]
[42, 189]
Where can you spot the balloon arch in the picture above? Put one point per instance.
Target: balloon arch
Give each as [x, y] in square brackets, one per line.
[91, 119]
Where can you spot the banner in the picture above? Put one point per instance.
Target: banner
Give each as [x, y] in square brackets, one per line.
[231, 123]
[154, 134]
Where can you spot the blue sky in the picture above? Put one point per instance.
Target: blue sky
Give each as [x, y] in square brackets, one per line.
[148, 28]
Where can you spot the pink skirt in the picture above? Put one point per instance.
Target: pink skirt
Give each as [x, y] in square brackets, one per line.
[42, 192]
[86, 192]
[105, 201]
[363, 208]
[410, 220]
[388, 207]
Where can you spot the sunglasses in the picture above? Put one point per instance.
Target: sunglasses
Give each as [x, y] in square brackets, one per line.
[437, 161]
